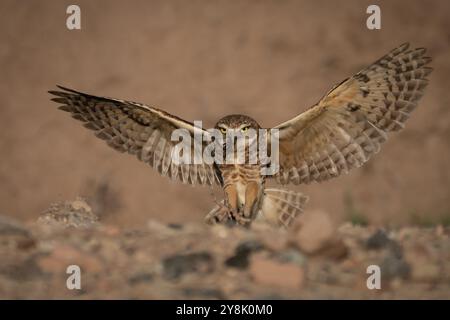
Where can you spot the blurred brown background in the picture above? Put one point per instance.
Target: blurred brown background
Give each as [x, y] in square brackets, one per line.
[202, 60]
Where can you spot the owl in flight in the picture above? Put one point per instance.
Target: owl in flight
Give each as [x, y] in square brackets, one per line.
[341, 132]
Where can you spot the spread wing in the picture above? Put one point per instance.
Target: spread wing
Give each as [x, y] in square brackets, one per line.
[349, 124]
[137, 129]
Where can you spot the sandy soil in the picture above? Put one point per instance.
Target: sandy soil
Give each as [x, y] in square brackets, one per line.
[202, 60]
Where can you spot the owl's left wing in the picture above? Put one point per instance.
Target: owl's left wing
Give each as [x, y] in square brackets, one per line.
[140, 130]
[349, 124]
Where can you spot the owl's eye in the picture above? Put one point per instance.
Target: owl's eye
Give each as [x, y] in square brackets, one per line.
[223, 130]
[244, 129]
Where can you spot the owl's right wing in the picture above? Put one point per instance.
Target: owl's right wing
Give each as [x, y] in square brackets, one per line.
[137, 129]
[350, 122]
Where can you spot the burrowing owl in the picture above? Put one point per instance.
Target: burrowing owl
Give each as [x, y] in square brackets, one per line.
[342, 131]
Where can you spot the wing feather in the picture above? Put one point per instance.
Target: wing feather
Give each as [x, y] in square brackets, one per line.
[136, 129]
[353, 119]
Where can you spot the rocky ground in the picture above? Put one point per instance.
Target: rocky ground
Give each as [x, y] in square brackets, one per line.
[313, 259]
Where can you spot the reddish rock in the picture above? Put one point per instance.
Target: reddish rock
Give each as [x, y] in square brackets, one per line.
[268, 272]
[313, 231]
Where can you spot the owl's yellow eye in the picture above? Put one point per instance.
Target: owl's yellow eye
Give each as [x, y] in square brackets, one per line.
[223, 130]
[244, 129]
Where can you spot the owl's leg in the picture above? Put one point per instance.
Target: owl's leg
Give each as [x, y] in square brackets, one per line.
[231, 199]
[233, 205]
[251, 196]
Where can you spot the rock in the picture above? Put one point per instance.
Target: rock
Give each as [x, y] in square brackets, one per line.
[240, 259]
[268, 272]
[312, 231]
[175, 226]
[143, 277]
[63, 256]
[378, 240]
[274, 240]
[393, 267]
[220, 231]
[20, 269]
[80, 205]
[335, 250]
[292, 256]
[9, 226]
[77, 214]
[14, 235]
[177, 265]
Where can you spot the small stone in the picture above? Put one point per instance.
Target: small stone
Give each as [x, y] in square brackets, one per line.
[80, 204]
[140, 278]
[378, 240]
[24, 270]
[14, 235]
[393, 267]
[76, 214]
[267, 272]
[313, 231]
[177, 265]
[175, 226]
[336, 250]
[9, 226]
[292, 256]
[274, 240]
[240, 259]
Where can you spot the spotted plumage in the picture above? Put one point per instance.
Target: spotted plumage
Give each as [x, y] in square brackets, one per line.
[341, 132]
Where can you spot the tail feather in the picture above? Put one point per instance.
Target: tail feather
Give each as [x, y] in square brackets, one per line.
[281, 207]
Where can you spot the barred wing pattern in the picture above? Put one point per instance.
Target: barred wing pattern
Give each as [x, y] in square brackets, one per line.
[350, 123]
[137, 129]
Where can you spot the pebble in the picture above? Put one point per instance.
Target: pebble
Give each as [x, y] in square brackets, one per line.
[80, 204]
[177, 265]
[240, 259]
[378, 240]
[393, 266]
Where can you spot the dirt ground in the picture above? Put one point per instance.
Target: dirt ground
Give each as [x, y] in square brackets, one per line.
[202, 60]
[315, 259]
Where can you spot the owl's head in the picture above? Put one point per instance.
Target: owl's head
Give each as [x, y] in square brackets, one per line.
[237, 122]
